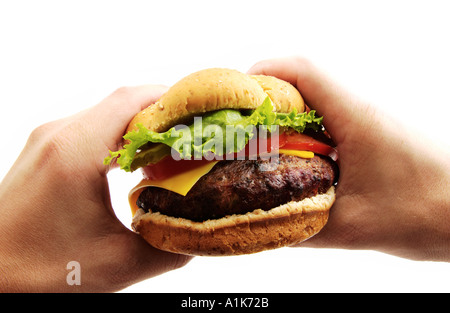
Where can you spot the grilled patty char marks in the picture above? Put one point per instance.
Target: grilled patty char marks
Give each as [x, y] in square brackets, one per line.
[241, 186]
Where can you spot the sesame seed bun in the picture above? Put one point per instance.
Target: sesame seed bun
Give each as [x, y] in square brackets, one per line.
[216, 89]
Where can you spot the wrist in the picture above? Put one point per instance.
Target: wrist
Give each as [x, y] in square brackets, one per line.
[423, 234]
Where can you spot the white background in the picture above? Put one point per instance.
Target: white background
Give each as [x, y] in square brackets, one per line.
[59, 57]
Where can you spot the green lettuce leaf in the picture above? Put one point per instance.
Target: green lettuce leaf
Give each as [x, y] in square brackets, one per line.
[216, 133]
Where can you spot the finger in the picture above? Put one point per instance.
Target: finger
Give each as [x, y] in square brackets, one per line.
[150, 262]
[320, 92]
[112, 116]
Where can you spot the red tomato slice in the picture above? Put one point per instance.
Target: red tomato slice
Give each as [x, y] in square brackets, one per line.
[168, 167]
[297, 141]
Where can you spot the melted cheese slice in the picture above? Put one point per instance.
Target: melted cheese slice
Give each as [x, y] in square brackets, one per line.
[180, 183]
[299, 153]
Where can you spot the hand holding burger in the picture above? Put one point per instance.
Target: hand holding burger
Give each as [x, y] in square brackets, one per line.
[55, 206]
[393, 185]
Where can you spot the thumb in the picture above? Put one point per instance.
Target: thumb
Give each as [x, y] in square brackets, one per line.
[320, 92]
[112, 116]
[102, 127]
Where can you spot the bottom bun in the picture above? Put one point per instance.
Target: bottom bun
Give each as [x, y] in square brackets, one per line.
[259, 230]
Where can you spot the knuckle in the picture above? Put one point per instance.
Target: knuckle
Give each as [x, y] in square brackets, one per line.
[301, 59]
[41, 132]
[50, 143]
[123, 92]
[51, 151]
[302, 62]
[180, 261]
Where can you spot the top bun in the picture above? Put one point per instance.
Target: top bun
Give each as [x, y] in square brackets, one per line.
[215, 89]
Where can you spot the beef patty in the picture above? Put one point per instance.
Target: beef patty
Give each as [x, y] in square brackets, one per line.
[241, 186]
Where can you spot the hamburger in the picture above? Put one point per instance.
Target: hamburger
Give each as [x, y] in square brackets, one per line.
[232, 164]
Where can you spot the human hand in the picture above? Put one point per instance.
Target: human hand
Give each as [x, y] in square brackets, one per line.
[393, 190]
[56, 206]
